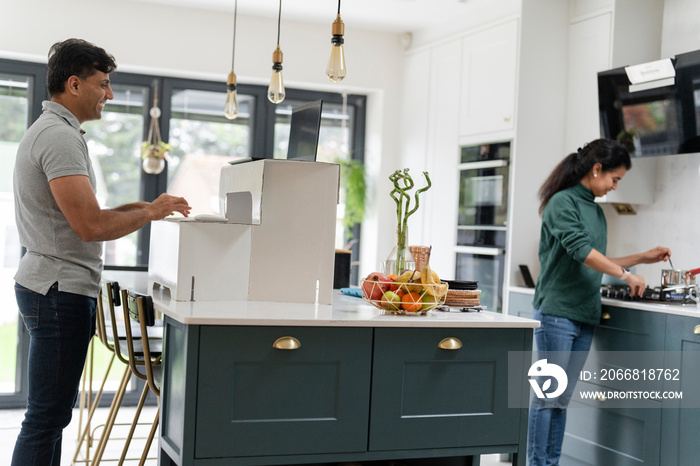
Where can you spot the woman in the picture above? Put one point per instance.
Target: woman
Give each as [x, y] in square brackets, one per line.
[572, 258]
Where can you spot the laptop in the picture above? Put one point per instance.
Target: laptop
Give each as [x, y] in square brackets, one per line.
[304, 129]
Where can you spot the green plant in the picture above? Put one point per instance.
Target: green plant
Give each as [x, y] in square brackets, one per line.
[403, 183]
[158, 150]
[352, 178]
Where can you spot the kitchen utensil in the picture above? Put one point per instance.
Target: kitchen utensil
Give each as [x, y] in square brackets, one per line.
[673, 277]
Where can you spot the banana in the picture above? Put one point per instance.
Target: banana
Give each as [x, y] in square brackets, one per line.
[431, 282]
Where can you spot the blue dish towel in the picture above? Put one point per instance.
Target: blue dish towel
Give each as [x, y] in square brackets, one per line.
[352, 292]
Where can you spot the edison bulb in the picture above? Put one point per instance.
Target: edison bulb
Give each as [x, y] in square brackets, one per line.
[231, 106]
[275, 92]
[336, 64]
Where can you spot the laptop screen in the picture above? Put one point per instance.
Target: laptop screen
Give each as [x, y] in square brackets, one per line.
[303, 132]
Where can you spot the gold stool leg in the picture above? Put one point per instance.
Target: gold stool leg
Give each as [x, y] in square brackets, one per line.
[86, 431]
[111, 418]
[151, 435]
[137, 415]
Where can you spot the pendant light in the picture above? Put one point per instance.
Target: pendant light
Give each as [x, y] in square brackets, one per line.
[275, 92]
[336, 64]
[231, 106]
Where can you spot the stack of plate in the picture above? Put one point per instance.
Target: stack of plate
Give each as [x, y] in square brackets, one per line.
[463, 294]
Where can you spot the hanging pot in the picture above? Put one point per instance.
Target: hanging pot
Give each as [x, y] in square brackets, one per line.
[153, 165]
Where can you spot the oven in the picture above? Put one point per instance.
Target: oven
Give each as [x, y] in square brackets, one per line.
[482, 216]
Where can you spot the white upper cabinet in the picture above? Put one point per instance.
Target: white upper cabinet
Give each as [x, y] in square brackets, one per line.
[489, 64]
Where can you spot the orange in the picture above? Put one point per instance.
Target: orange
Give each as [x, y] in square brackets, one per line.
[411, 302]
[394, 286]
[401, 292]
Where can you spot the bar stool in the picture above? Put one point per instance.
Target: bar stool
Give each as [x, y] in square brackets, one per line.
[107, 332]
[117, 336]
[145, 355]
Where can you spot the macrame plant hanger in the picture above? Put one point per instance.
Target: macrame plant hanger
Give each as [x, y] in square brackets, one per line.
[154, 151]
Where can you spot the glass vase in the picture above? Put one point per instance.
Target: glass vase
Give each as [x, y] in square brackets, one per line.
[400, 258]
[153, 165]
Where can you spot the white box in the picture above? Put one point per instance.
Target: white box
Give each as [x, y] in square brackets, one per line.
[279, 244]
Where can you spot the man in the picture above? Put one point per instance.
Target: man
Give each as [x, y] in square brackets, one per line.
[61, 225]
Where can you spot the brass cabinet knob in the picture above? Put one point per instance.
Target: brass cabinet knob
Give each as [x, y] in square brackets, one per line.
[605, 316]
[286, 343]
[450, 343]
[696, 330]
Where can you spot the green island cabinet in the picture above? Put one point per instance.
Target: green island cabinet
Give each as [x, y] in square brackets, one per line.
[661, 433]
[371, 388]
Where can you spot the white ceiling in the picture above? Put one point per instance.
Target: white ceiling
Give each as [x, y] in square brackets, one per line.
[387, 15]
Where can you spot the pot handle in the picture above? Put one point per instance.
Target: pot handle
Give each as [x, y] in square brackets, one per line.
[694, 271]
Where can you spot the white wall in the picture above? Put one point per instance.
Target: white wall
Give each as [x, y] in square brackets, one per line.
[540, 124]
[197, 43]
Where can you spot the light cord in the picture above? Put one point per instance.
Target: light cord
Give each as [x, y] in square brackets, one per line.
[338, 6]
[235, 15]
[279, 19]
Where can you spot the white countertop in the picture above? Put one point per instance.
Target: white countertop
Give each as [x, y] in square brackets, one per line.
[688, 310]
[346, 311]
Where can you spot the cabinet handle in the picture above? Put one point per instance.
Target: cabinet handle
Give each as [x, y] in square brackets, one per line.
[450, 343]
[605, 316]
[696, 330]
[286, 343]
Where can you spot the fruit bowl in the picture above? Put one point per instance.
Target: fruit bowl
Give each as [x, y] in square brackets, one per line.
[397, 298]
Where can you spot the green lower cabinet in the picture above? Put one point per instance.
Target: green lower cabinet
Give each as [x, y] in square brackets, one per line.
[427, 397]
[611, 436]
[681, 423]
[256, 400]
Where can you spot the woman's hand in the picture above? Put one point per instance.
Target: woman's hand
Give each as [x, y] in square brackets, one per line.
[637, 285]
[657, 254]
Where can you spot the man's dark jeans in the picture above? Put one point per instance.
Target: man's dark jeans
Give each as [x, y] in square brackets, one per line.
[60, 327]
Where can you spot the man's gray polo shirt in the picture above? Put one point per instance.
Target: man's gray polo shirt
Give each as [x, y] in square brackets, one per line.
[53, 147]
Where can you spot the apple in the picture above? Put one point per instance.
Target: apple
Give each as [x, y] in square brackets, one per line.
[429, 302]
[391, 300]
[375, 285]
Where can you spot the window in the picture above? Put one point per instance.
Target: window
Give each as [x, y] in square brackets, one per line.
[114, 143]
[15, 106]
[203, 141]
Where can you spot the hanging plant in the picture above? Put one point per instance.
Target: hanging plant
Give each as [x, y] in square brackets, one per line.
[352, 178]
[160, 150]
[154, 151]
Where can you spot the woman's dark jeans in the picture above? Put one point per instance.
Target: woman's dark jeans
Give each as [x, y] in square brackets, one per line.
[60, 327]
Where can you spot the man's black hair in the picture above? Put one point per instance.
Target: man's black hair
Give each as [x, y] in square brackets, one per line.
[75, 57]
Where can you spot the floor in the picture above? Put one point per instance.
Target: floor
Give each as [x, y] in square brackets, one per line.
[10, 420]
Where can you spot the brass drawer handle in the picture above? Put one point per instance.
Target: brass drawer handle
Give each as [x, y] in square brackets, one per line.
[605, 316]
[696, 330]
[286, 343]
[450, 343]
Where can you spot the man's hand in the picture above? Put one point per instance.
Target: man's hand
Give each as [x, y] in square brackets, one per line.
[167, 205]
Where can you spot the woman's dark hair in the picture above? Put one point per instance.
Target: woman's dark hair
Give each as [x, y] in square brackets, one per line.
[570, 171]
[75, 57]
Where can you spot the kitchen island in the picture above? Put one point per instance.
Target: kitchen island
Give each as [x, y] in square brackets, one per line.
[262, 383]
[657, 432]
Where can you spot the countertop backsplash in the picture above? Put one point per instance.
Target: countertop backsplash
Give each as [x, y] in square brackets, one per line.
[673, 220]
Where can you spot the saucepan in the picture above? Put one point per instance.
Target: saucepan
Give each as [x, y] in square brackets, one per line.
[676, 277]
